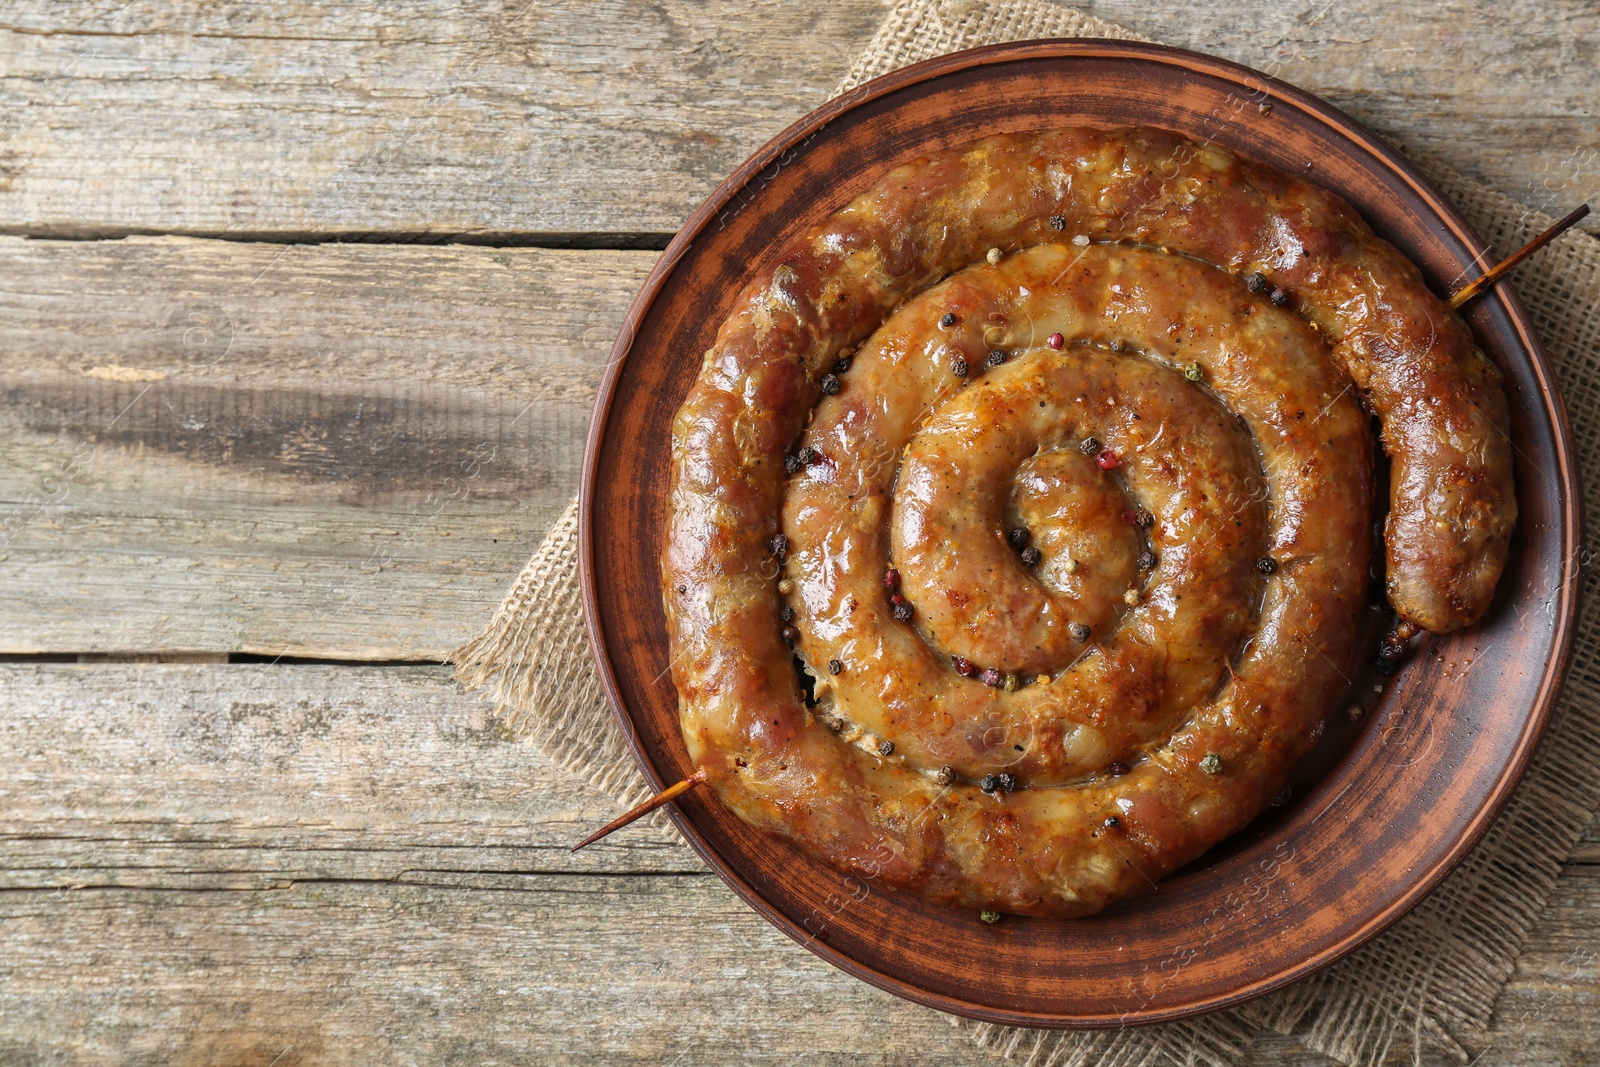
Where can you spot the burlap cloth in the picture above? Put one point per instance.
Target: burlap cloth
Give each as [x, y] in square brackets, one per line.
[1422, 991]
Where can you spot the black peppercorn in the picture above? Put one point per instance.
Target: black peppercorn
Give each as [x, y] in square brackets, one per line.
[1147, 560]
[946, 776]
[947, 319]
[989, 783]
[790, 635]
[1279, 297]
[829, 385]
[808, 455]
[1113, 822]
[1391, 650]
[1393, 645]
[1007, 782]
[886, 748]
[1267, 565]
[835, 667]
[959, 368]
[1256, 282]
[1144, 519]
[963, 666]
[1031, 556]
[996, 358]
[841, 365]
[1079, 631]
[1019, 536]
[903, 612]
[791, 463]
[1090, 446]
[1118, 768]
[1058, 222]
[786, 615]
[779, 545]
[991, 677]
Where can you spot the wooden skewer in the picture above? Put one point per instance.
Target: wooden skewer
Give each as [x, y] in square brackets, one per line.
[1467, 292]
[644, 809]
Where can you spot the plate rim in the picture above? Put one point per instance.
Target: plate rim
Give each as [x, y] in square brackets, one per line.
[1568, 479]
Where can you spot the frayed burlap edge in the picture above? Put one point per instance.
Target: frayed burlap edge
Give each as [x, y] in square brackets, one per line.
[534, 665]
[1427, 986]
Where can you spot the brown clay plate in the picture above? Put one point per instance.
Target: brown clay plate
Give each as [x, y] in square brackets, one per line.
[1385, 807]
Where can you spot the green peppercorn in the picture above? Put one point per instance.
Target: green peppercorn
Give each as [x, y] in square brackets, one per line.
[1211, 763]
[1011, 683]
[1193, 372]
[989, 916]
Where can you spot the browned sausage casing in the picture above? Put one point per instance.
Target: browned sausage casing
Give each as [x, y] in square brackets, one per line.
[1052, 333]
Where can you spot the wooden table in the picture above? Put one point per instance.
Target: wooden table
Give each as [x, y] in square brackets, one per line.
[304, 308]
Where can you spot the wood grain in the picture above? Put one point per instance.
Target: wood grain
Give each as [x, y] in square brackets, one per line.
[243, 447]
[565, 119]
[215, 864]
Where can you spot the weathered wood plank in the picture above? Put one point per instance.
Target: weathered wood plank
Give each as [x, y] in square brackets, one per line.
[252, 775]
[544, 969]
[324, 450]
[352, 865]
[506, 118]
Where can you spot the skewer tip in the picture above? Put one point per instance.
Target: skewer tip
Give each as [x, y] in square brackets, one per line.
[641, 810]
[1474, 289]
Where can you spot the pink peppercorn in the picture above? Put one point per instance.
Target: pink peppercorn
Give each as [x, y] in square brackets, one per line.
[1107, 460]
[1055, 341]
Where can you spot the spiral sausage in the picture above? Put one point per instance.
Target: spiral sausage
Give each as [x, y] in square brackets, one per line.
[1117, 485]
